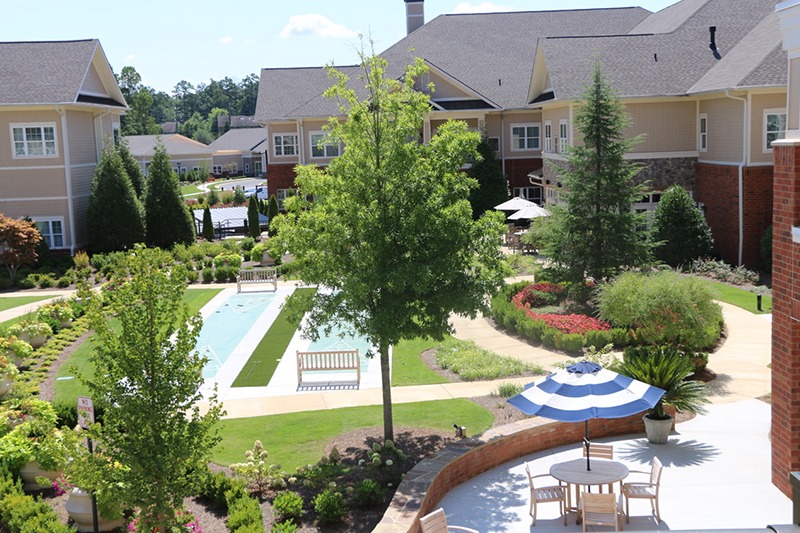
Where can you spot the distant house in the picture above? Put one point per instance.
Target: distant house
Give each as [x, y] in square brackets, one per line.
[186, 154]
[240, 152]
[59, 106]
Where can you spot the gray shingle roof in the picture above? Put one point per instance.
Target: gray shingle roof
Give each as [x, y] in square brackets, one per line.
[175, 143]
[44, 72]
[491, 53]
[239, 139]
[683, 56]
[670, 18]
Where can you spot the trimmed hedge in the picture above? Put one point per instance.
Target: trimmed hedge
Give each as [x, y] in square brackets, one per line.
[244, 512]
[21, 513]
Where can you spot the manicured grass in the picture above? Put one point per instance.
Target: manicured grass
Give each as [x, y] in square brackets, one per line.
[258, 370]
[190, 189]
[297, 439]
[408, 367]
[68, 389]
[17, 301]
[739, 297]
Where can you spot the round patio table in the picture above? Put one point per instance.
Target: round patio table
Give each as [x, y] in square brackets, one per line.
[574, 473]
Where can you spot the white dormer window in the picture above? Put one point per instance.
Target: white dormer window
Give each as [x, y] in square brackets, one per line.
[34, 140]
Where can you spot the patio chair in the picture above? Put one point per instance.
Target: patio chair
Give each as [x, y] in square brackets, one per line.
[436, 522]
[600, 451]
[601, 510]
[551, 493]
[645, 490]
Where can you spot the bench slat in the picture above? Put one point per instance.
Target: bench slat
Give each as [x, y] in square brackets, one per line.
[333, 361]
[257, 275]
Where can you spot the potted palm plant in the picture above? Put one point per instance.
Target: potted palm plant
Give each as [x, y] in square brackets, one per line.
[667, 368]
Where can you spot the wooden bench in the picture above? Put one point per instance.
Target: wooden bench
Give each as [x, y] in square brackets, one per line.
[330, 361]
[257, 275]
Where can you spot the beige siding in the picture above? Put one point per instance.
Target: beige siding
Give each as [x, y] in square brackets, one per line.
[26, 117]
[472, 124]
[759, 103]
[32, 183]
[81, 208]
[510, 119]
[38, 209]
[793, 115]
[82, 180]
[555, 116]
[274, 129]
[92, 83]
[80, 128]
[445, 89]
[493, 126]
[724, 130]
[309, 127]
[222, 160]
[667, 126]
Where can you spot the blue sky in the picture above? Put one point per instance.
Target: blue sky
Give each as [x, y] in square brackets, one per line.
[167, 41]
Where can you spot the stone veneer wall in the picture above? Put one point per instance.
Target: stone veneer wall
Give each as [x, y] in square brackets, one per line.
[429, 481]
[660, 173]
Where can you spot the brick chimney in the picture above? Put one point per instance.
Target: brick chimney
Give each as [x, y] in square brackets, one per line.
[415, 14]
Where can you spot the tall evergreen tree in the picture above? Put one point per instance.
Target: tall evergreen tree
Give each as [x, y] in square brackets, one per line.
[115, 217]
[272, 212]
[132, 168]
[253, 222]
[595, 232]
[208, 225]
[168, 220]
[680, 230]
[492, 185]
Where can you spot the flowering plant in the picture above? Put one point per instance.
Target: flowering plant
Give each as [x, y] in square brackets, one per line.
[61, 311]
[15, 347]
[98, 474]
[31, 327]
[7, 368]
[530, 298]
[183, 522]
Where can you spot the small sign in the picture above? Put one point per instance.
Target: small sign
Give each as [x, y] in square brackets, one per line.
[85, 412]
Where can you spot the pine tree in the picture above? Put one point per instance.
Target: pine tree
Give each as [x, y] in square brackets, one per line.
[208, 225]
[680, 230]
[253, 221]
[596, 233]
[492, 185]
[272, 212]
[168, 220]
[115, 217]
[132, 168]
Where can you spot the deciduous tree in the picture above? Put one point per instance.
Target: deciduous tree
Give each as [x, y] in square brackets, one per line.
[168, 220]
[390, 229]
[148, 374]
[18, 241]
[492, 186]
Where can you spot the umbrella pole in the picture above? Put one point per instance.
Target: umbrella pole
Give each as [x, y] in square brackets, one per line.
[587, 444]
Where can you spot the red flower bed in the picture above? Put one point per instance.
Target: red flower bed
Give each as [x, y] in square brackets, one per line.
[527, 298]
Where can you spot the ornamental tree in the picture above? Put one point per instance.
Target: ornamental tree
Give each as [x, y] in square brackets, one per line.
[253, 220]
[168, 220]
[115, 216]
[148, 374]
[680, 230]
[596, 233]
[208, 225]
[132, 168]
[18, 241]
[272, 212]
[390, 230]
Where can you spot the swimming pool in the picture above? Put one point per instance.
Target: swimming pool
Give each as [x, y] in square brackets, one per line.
[226, 327]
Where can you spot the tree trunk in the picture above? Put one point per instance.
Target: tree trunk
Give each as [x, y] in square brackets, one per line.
[386, 382]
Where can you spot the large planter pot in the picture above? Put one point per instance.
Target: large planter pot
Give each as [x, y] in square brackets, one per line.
[66, 323]
[34, 340]
[79, 508]
[657, 430]
[5, 385]
[31, 470]
[12, 356]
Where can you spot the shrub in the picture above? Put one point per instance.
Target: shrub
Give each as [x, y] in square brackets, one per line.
[212, 197]
[620, 337]
[473, 363]
[284, 527]
[368, 493]
[570, 342]
[257, 252]
[507, 390]
[257, 471]
[238, 197]
[549, 337]
[680, 229]
[208, 275]
[330, 506]
[192, 276]
[288, 505]
[723, 271]
[599, 338]
[247, 244]
[230, 260]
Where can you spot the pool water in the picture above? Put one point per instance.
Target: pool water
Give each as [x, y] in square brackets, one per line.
[227, 326]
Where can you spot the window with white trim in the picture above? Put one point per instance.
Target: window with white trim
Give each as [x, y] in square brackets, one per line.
[285, 144]
[52, 231]
[774, 127]
[34, 140]
[283, 194]
[563, 136]
[534, 194]
[321, 148]
[525, 137]
[702, 138]
[548, 136]
[216, 169]
[116, 133]
[257, 167]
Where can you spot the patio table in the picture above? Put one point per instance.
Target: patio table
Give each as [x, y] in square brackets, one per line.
[574, 473]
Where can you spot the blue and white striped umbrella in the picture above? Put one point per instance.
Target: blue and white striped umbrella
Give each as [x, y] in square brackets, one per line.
[584, 391]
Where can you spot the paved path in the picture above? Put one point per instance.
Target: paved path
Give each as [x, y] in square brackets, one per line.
[14, 312]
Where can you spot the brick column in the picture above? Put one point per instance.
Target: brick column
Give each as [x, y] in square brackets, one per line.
[785, 315]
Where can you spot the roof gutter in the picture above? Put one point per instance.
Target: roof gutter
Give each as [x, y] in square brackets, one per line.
[745, 143]
[67, 177]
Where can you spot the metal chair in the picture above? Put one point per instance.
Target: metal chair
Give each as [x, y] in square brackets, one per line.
[436, 522]
[601, 510]
[551, 493]
[645, 490]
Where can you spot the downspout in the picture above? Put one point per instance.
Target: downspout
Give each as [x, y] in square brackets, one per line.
[67, 178]
[301, 133]
[745, 143]
[503, 144]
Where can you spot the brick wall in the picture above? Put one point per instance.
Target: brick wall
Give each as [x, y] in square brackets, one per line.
[517, 171]
[785, 314]
[279, 177]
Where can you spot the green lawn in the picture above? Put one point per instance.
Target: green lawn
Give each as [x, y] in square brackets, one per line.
[258, 369]
[408, 367]
[739, 297]
[68, 388]
[17, 301]
[191, 190]
[297, 439]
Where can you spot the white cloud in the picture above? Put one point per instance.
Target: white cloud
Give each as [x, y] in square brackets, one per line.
[226, 40]
[483, 7]
[249, 42]
[129, 58]
[315, 25]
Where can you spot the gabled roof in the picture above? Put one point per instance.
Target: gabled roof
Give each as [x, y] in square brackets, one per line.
[491, 54]
[57, 72]
[239, 140]
[677, 63]
[175, 143]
